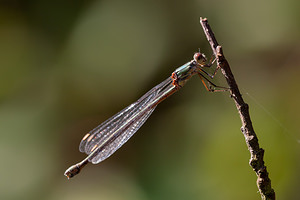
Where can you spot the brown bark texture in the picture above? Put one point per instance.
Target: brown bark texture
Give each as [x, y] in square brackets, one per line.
[257, 153]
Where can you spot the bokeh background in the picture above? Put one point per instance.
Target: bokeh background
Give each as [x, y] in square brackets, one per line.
[66, 66]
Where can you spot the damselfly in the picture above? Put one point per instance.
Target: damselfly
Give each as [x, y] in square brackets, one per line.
[104, 140]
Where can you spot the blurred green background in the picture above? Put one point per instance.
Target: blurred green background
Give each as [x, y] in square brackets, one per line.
[66, 66]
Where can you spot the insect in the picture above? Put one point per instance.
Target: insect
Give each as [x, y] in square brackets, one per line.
[104, 140]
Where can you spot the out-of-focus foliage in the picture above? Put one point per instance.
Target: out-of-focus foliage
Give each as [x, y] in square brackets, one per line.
[66, 66]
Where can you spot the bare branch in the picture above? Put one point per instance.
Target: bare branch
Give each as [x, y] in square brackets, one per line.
[257, 153]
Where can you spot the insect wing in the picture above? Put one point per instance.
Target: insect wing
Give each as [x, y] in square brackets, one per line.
[126, 133]
[109, 136]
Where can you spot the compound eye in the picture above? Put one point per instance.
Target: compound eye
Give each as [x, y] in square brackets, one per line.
[199, 57]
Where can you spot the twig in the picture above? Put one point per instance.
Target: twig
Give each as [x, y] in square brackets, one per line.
[257, 153]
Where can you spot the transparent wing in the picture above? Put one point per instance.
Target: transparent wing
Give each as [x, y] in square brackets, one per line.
[116, 143]
[109, 136]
